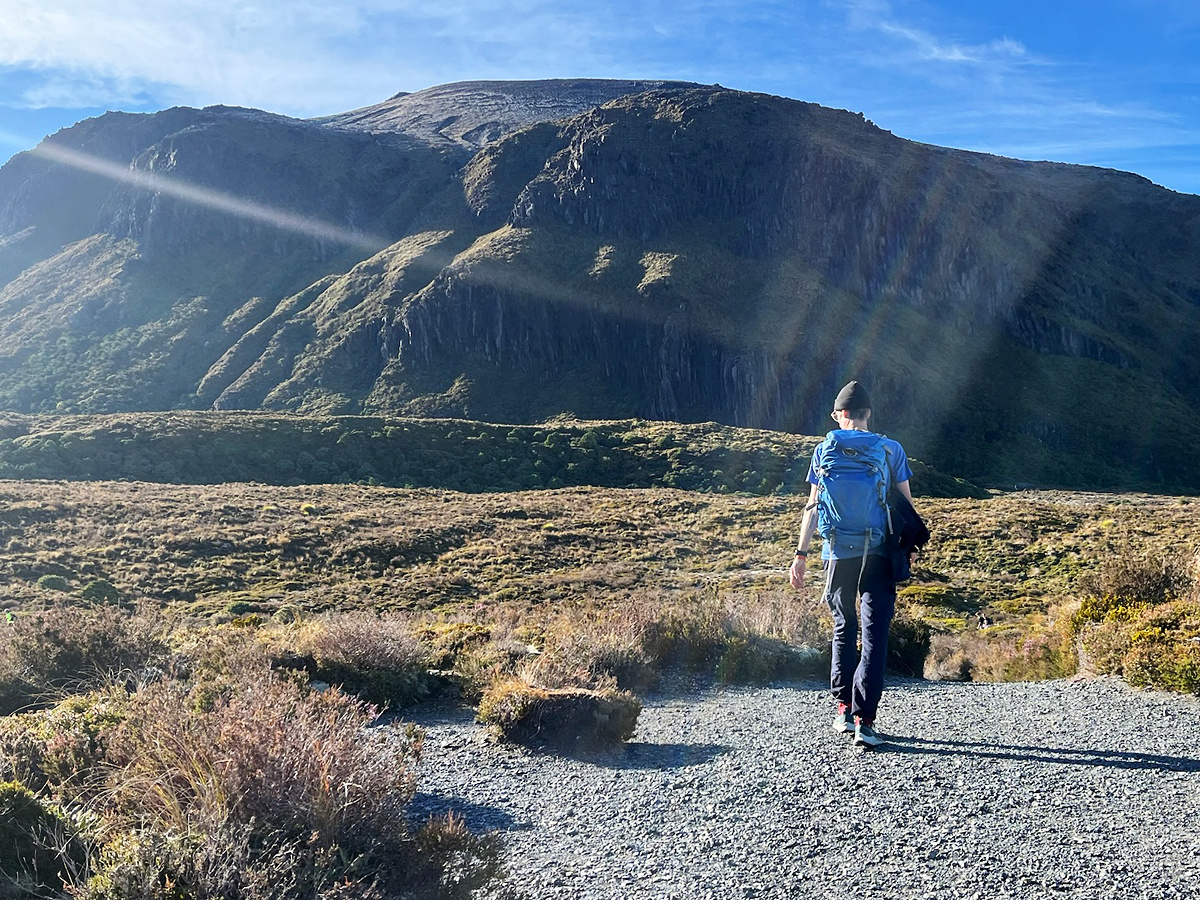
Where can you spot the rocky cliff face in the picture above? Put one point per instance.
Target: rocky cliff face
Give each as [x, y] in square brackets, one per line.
[612, 249]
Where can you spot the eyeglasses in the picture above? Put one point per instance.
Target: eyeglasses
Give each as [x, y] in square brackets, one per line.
[833, 415]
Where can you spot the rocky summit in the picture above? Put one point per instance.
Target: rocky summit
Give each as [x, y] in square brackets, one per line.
[512, 251]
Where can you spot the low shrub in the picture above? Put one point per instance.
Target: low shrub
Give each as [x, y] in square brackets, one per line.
[738, 640]
[948, 659]
[59, 749]
[1131, 579]
[1001, 654]
[100, 590]
[378, 658]
[38, 847]
[1164, 650]
[54, 583]
[571, 719]
[908, 644]
[1140, 618]
[447, 642]
[64, 650]
[1103, 646]
[274, 792]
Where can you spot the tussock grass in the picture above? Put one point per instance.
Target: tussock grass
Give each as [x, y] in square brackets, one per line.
[264, 788]
[574, 719]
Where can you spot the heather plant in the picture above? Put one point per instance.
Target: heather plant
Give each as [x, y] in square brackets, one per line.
[379, 658]
[63, 650]
[57, 751]
[273, 780]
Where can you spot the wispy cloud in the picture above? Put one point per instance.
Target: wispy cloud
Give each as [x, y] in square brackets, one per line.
[933, 70]
[300, 58]
[302, 55]
[990, 92]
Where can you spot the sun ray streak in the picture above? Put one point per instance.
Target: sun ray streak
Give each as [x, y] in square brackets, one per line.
[212, 199]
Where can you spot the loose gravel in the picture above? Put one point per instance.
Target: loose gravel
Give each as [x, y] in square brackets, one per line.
[1066, 789]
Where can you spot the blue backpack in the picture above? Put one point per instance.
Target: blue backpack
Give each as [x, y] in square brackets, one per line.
[853, 479]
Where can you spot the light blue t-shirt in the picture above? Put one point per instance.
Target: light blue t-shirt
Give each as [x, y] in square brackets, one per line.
[900, 472]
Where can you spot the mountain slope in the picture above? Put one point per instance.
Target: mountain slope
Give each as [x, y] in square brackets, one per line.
[683, 252]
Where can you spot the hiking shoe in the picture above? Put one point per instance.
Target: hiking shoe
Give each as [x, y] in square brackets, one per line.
[865, 734]
[843, 722]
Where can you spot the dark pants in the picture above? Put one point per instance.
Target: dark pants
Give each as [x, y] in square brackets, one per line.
[857, 679]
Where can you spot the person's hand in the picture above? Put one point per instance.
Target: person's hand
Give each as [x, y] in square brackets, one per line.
[796, 576]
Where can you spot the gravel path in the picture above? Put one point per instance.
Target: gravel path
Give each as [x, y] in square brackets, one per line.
[1066, 789]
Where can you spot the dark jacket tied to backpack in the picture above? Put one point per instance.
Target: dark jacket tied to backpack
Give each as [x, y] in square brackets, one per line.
[908, 534]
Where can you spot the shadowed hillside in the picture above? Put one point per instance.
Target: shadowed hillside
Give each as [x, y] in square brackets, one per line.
[455, 454]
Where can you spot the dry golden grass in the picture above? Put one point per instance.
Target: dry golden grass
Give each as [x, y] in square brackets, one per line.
[538, 566]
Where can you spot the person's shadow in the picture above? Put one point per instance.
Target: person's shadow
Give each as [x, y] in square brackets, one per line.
[1115, 759]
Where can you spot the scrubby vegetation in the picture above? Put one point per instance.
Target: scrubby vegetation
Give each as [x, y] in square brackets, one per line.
[563, 718]
[246, 635]
[1140, 617]
[222, 779]
[210, 448]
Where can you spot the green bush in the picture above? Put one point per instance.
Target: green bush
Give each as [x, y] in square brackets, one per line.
[58, 749]
[1164, 648]
[100, 590]
[1140, 618]
[54, 583]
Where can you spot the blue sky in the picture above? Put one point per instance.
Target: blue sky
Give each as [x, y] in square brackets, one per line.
[1112, 83]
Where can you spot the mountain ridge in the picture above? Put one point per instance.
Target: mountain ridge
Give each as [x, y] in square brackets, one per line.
[490, 111]
[686, 252]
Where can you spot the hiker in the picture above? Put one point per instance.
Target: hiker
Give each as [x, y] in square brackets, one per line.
[851, 474]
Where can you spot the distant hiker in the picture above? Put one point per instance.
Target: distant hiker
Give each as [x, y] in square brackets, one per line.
[851, 474]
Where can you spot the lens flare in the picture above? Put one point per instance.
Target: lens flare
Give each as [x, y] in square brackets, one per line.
[212, 199]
